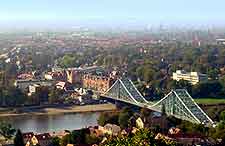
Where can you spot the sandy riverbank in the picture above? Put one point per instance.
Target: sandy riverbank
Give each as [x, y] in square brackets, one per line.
[61, 110]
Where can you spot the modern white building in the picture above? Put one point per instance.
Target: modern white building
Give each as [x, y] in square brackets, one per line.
[192, 77]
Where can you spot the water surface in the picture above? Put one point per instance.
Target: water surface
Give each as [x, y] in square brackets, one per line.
[51, 123]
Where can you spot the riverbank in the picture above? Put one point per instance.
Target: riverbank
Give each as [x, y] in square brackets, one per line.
[59, 110]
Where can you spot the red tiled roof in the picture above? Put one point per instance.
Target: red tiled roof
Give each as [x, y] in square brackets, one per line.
[44, 136]
[28, 135]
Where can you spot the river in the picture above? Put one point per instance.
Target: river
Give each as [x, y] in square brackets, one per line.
[53, 123]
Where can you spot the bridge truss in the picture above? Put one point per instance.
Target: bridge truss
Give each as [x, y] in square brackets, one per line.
[177, 103]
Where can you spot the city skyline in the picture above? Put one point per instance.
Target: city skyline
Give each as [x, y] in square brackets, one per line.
[101, 12]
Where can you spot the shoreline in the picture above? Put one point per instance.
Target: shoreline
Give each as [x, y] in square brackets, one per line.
[61, 110]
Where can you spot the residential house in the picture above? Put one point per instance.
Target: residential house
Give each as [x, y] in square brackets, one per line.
[66, 86]
[25, 76]
[139, 123]
[58, 76]
[44, 139]
[110, 129]
[27, 136]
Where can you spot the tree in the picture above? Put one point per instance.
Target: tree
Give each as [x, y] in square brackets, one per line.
[102, 119]
[107, 117]
[181, 84]
[173, 121]
[56, 141]
[219, 132]
[91, 139]
[18, 140]
[207, 89]
[6, 130]
[146, 115]
[146, 73]
[163, 110]
[65, 140]
[71, 60]
[42, 93]
[222, 116]
[54, 95]
[124, 116]
[213, 73]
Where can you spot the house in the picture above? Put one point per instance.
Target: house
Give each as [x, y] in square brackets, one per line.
[96, 131]
[110, 129]
[161, 122]
[139, 123]
[187, 139]
[59, 134]
[59, 76]
[33, 89]
[174, 130]
[161, 136]
[25, 76]
[44, 139]
[24, 84]
[27, 136]
[66, 86]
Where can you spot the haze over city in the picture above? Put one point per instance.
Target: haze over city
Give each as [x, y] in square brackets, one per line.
[94, 13]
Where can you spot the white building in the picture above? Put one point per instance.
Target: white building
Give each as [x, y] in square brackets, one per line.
[33, 88]
[192, 77]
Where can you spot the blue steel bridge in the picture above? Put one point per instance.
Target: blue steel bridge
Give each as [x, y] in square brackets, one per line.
[177, 103]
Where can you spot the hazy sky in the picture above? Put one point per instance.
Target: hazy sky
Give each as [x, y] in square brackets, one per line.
[112, 11]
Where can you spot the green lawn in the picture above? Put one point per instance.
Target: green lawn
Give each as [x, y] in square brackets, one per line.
[210, 101]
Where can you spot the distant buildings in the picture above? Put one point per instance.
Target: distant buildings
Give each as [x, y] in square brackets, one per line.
[97, 83]
[192, 77]
[94, 78]
[66, 86]
[25, 76]
[73, 75]
[57, 75]
[24, 84]
[33, 89]
[220, 41]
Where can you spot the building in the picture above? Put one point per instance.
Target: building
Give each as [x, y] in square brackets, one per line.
[139, 123]
[66, 86]
[58, 76]
[97, 83]
[192, 77]
[24, 84]
[25, 76]
[27, 136]
[74, 76]
[110, 129]
[33, 89]
[220, 41]
[44, 139]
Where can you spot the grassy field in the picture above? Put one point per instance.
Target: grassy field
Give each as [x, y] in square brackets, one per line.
[210, 101]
